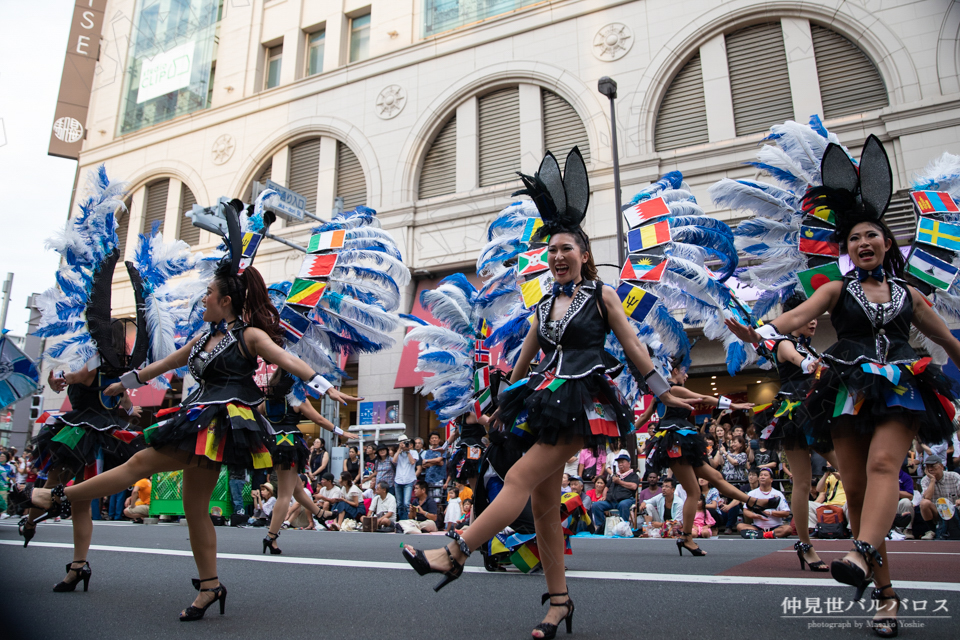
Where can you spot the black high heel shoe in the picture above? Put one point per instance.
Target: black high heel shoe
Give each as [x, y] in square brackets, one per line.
[26, 532]
[846, 572]
[219, 594]
[548, 630]
[885, 627]
[268, 544]
[802, 549]
[418, 560]
[762, 503]
[83, 573]
[681, 545]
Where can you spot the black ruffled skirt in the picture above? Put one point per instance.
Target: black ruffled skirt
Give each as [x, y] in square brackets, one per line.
[675, 441]
[291, 450]
[848, 398]
[785, 432]
[230, 433]
[466, 461]
[547, 409]
[83, 451]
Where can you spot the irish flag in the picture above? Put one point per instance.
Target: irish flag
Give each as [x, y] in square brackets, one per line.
[931, 269]
[326, 241]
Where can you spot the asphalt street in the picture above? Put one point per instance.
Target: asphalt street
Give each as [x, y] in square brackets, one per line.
[357, 585]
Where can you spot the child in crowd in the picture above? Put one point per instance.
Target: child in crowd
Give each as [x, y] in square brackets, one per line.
[703, 522]
[454, 510]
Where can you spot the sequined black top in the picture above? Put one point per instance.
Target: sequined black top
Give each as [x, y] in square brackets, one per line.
[225, 374]
[867, 331]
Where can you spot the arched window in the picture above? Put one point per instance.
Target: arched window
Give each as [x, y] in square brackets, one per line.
[499, 124]
[849, 81]
[264, 174]
[188, 233]
[304, 170]
[562, 127]
[155, 207]
[351, 185]
[123, 225]
[682, 117]
[759, 80]
[439, 175]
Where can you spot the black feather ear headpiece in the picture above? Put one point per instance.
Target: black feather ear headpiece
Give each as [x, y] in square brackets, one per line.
[853, 195]
[561, 201]
[230, 263]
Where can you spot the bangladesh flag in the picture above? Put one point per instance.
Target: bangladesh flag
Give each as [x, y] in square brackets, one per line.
[813, 279]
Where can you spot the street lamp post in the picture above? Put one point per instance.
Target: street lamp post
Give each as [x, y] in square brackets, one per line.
[608, 87]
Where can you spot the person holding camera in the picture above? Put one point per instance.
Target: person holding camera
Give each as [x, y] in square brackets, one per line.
[407, 460]
[768, 522]
[423, 512]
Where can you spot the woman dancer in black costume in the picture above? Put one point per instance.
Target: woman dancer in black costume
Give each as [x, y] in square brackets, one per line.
[860, 400]
[569, 326]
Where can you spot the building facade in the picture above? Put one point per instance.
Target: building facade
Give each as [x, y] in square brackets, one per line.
[424, 110]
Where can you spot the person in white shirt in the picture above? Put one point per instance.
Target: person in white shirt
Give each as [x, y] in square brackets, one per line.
[453, 512]
[770, 521]
[384, 507]
[328, 495]
[264, 501]
[656, 507]
[407, 459]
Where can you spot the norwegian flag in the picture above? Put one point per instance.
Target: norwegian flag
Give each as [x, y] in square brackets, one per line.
[481, 354]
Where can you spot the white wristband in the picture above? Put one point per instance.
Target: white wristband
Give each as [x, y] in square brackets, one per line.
[319, 384]
[131, 410]
[338, 431]
[769, 332]
[130, 380]
[723, 402]
[60, 375]
[808, 364]
[656, 383]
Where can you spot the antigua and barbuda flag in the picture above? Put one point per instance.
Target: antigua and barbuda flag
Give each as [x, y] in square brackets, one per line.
[643, 268]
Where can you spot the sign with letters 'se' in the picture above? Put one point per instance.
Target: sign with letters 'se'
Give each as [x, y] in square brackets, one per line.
[289, 203]
[166, 72]
[76, 83]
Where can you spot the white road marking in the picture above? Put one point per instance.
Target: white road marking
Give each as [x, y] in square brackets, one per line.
[587, 575]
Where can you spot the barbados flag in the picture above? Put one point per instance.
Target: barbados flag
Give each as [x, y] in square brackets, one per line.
[637, 303]
[249, 246]
[939, 234]
[818, 242]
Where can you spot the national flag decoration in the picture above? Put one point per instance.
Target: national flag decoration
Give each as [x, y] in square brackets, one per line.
[648, 236]
[306, 293]
[533, 261]
[481, 355]
[817, 241]
[261, 458]
[919, 366]
[249, 246]
[888, 371]
[760, 408]
[285, 439]
[481, 379]
[948, 407]
[530, 228]
[786, 408]
[636, 302]
[643, 268]
[125, 436]
[521, 428]
[905, 396]
[209, 445]
[485, 329]
[326, 241]
[931, 269]
[550, 383]
[293, 323]
[603, 420]
[813, 279]
[526, 557]
[482, 403]
[768, 430]
[931, 203]
[316, 267]
[939, 234]
[823, 213]
[645, 211]
[847, 404]
[69, 436]
[534, 290]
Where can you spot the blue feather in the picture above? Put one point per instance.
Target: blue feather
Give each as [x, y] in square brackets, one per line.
[776, 172]
[671, 180]
[817, 125]
[736, 357]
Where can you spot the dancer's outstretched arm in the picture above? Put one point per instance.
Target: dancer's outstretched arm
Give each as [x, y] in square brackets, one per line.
[175, 360]
[307, 411]
[822, 300]
[932, 325]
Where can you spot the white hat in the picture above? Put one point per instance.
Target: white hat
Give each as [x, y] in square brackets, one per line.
[402, 437]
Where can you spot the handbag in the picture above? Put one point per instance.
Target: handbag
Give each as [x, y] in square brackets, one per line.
[610, 525]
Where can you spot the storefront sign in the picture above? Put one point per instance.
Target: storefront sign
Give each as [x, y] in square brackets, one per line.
[166, 72]
[76, 83]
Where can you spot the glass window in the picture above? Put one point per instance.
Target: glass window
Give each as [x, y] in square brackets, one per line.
[315, 42]
[360, 38]
[271, 78]
[169, 62]
[444, 15]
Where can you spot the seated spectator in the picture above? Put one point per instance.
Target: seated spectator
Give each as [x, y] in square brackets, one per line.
[326, 497]
[138, 504]
[467, 508]
[829, 491]
[298, 517]
[621, 492]
[664, 506]
[423, 512]
[753, 479]
[904, 520]
[764, 458]
[369, 467]
[576, 486]
[572, 466]
[734, 462]
[351, 505]
[263, 503]
[384, 507]
[711, 499]
[564, 484]
[769, 522]
[599, 491]
[451, 516]
[704, 526]
[650, 488]
[937, 484]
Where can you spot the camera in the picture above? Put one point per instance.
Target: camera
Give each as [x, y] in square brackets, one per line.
[829, 469]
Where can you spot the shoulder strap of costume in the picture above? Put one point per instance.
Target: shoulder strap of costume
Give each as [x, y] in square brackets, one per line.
[243, 344]
[598, 294]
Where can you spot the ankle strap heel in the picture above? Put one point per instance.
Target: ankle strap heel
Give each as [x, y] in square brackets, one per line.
[547, 630]
[219, 593]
